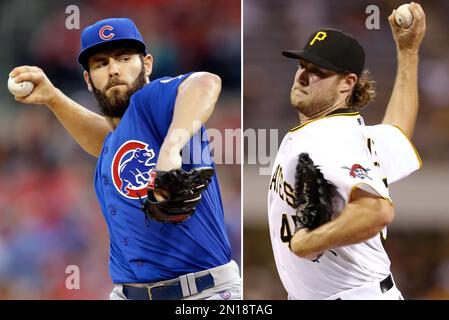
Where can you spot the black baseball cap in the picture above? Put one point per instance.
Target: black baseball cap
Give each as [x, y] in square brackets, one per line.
[333, 50]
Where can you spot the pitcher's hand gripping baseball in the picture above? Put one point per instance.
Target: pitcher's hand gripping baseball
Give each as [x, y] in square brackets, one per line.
[410, 38]
[43, 92]
[313, 194]
[183, 191]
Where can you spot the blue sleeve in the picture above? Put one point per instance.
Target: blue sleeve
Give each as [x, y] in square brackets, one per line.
[156, 103]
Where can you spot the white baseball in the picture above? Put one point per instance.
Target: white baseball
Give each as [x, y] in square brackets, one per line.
[403, 16]
[21, 89]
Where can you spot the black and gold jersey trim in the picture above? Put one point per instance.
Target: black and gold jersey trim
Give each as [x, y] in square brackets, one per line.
[350, 114]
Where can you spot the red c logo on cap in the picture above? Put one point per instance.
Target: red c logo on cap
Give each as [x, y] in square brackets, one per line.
[103, 36]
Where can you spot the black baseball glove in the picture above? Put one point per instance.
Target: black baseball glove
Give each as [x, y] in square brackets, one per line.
[313, 195]
[183, 190]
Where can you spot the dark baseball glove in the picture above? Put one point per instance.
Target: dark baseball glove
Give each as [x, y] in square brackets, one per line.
[313, 195]
[183, 190]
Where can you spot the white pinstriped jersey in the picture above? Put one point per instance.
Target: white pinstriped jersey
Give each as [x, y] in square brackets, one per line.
[351, 155]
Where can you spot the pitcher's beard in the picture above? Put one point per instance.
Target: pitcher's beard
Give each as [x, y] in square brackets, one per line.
[117, 103]
[309, 107]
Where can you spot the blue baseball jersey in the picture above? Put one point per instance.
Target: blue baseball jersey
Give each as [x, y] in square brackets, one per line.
[143, 250]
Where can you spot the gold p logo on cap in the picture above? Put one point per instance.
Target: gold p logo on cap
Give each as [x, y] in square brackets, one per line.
[320, 36]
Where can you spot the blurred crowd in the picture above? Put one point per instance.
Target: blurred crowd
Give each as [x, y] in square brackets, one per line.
[420, 258]
[49, 215]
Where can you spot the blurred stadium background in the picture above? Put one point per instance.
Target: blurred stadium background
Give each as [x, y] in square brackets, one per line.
[418, 239]
[49, 215]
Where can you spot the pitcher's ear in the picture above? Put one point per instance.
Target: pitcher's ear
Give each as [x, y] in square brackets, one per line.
[148, 62]
[348, 82]
[87, 80]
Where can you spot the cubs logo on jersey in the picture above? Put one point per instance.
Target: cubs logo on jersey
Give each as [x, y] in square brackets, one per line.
[131, 168]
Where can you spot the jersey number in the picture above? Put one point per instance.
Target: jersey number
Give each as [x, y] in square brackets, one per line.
[286, 234]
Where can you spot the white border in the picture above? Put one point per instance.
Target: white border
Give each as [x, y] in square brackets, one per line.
[241, 148]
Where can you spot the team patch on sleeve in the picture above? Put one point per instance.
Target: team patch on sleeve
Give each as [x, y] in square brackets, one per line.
[358, 171]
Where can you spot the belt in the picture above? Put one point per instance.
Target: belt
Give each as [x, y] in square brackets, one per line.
[161, 291]
[386, 284]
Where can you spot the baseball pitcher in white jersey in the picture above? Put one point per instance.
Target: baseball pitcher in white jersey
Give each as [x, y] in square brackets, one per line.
[345, 258]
